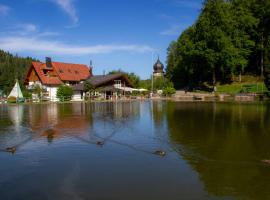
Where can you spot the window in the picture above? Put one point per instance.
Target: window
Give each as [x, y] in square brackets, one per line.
[76, 72]
[117, 83]
[60, 70]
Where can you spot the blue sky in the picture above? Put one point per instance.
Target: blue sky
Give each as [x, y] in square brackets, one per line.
[114, 34]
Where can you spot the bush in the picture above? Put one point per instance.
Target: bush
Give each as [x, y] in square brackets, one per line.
[168, 91]
[27, 94]
[135, 93]
[37, 90]
[64, 93]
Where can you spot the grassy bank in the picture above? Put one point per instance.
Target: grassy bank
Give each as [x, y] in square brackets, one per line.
[236, 88]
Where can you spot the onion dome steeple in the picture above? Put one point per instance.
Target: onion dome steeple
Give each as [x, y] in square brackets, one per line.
[158, 68]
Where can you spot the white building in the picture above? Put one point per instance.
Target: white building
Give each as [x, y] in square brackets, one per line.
[50, 75]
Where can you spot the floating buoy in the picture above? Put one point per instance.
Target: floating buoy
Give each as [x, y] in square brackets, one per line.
[50, 136]
[160, 153]
[266, 161]
[10, 150]
[100, 143]
[50, 133]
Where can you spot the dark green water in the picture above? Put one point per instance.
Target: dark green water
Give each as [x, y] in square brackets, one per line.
[214, 151]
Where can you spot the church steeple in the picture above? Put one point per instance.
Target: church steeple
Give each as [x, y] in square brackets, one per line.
[158, 68]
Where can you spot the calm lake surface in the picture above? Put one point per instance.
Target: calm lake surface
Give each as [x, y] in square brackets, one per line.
[214, 151]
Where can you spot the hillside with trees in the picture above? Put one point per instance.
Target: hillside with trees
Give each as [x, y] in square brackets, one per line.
[229, 39]
[12, 68]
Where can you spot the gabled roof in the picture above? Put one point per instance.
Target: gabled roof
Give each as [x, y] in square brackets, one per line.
[61, 72]
[71, 72]
[101, 80]
[52, 80]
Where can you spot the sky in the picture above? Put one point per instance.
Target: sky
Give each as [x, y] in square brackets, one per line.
[114, 34]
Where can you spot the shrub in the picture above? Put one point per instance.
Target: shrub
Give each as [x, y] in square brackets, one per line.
[135, 93]
[89, 89]
[27, 94]
[64, 93]
[37, 90]
[168, 91]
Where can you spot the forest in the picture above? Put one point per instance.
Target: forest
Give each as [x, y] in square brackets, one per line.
[230, 38]
[12, 67]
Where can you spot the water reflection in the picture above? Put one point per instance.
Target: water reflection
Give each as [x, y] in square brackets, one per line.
[55, 121]
[135, 150]
[225, 144]
[11, 126]
[15, 114]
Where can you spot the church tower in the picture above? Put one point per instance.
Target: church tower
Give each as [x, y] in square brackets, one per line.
[158, 69]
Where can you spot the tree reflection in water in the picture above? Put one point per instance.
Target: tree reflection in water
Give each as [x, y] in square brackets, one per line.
[225, 143]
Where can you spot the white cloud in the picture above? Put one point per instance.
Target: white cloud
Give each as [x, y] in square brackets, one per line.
[26, 28]
[69, 8]
[38, 45]
[30, 27]
[47, 34]
[4, 9]
[173, 30]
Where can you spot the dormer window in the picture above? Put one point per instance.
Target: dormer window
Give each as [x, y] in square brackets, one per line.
[60, 71]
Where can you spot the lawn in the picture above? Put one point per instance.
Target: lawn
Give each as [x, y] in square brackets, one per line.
[235, 88]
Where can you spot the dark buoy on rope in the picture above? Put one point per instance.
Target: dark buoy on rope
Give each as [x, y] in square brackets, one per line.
[160, 153]
[266, 161]
[100, 143]
[10, 150]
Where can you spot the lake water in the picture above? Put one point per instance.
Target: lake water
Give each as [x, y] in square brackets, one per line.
[213, 151]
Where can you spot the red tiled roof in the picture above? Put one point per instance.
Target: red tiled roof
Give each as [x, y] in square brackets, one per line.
[52, 80]
[71, 72]
[61, 72]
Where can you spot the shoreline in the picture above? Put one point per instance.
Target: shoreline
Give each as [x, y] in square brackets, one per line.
[213, 98]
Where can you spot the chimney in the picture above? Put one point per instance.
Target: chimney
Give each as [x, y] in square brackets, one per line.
[48, 62]
[90, 71]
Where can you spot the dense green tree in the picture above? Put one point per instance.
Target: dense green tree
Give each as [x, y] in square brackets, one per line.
[38, 90]
[134, 79]
[160, 83]
[88, 87]
[146, 84]
[267, 65]
[64, 93]
[230, 37]
[12, 67]
[171, 59]
[261, 9]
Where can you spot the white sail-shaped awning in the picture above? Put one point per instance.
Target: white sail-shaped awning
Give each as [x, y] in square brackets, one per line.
[129, 89]
[16, 91]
